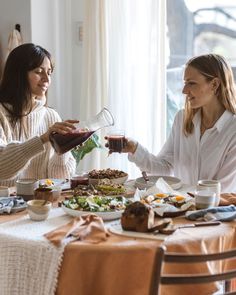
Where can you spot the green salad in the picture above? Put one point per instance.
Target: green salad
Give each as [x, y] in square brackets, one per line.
[97, 203]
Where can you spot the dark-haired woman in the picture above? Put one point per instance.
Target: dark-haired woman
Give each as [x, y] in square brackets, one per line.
[26, 121]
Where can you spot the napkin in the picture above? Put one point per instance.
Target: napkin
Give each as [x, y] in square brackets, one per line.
[223, 213]
[8, 204]
[89, 228]
[227, 199]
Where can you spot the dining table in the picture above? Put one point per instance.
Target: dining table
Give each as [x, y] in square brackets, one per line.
[121, 264]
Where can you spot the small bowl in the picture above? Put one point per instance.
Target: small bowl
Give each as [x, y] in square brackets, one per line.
[37, 210]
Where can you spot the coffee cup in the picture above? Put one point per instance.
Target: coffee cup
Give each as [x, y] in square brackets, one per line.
[25, 187]
[4, 191]
[204, 199]
[212, 186]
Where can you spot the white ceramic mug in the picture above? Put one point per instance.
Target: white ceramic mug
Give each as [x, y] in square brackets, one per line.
[204, 199]
[4, 191]
[212, 186]
[26, 186]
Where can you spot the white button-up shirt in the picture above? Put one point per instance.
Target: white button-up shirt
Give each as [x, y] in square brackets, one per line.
[192, 157]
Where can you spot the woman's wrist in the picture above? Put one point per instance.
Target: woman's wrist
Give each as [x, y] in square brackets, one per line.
[133, 146]
[44, 138]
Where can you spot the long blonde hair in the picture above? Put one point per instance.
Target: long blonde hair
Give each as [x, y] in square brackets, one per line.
[212, 66]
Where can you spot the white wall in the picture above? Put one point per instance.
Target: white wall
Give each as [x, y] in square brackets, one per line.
[53, 25]
[11, 13]
[58, 34]
[77, 15]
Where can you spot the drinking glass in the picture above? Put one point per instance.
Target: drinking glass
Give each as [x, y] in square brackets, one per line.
[116, 140]
[79, 179]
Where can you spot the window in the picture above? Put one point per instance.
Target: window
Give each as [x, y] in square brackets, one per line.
[194, 28]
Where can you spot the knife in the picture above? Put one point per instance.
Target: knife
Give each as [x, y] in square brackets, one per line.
[198, 224]
[170, 229]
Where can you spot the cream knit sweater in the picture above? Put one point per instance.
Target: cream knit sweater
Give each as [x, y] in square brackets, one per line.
[28, 157]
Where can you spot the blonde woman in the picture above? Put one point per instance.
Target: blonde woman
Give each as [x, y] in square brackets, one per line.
[202, 143]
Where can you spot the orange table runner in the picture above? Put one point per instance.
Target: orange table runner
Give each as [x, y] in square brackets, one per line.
[123, 265]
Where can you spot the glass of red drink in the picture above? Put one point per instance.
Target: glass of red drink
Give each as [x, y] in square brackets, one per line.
[116, 141]
[79, 179]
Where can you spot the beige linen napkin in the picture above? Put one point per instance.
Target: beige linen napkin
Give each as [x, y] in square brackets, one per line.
[89, 228]
[227, 199]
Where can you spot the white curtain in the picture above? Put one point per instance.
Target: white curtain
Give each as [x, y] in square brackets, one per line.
[94, 80]
[125, 70]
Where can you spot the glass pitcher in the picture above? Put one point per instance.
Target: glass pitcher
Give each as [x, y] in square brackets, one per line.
[62, 143]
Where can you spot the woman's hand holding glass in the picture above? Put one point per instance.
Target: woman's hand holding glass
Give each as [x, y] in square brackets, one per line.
[128, 145]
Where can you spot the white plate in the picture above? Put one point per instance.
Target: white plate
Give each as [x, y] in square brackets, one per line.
[117, 229]
[15, 208]
[104, 215]
[64, 184]
[174, 182]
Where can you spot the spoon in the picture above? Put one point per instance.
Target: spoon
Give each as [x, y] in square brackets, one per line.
[44, 203]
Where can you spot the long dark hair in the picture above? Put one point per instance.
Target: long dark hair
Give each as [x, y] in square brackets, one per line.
[15, 93]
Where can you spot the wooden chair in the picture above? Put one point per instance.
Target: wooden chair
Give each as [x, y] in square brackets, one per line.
[176, 279]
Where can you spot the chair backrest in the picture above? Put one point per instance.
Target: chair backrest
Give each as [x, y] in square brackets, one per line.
[198, 278]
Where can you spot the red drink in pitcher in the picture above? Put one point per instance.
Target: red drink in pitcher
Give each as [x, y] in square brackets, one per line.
[62, 143]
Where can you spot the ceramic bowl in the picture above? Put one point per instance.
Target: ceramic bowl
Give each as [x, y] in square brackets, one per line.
[4, 191]
[119, 180]
[37, 210]
[47, 193]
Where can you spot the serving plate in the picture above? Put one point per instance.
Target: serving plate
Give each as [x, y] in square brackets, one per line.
[174, 182]
[117, 229]
[64, 184]
[108, 215]
[171, 214]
